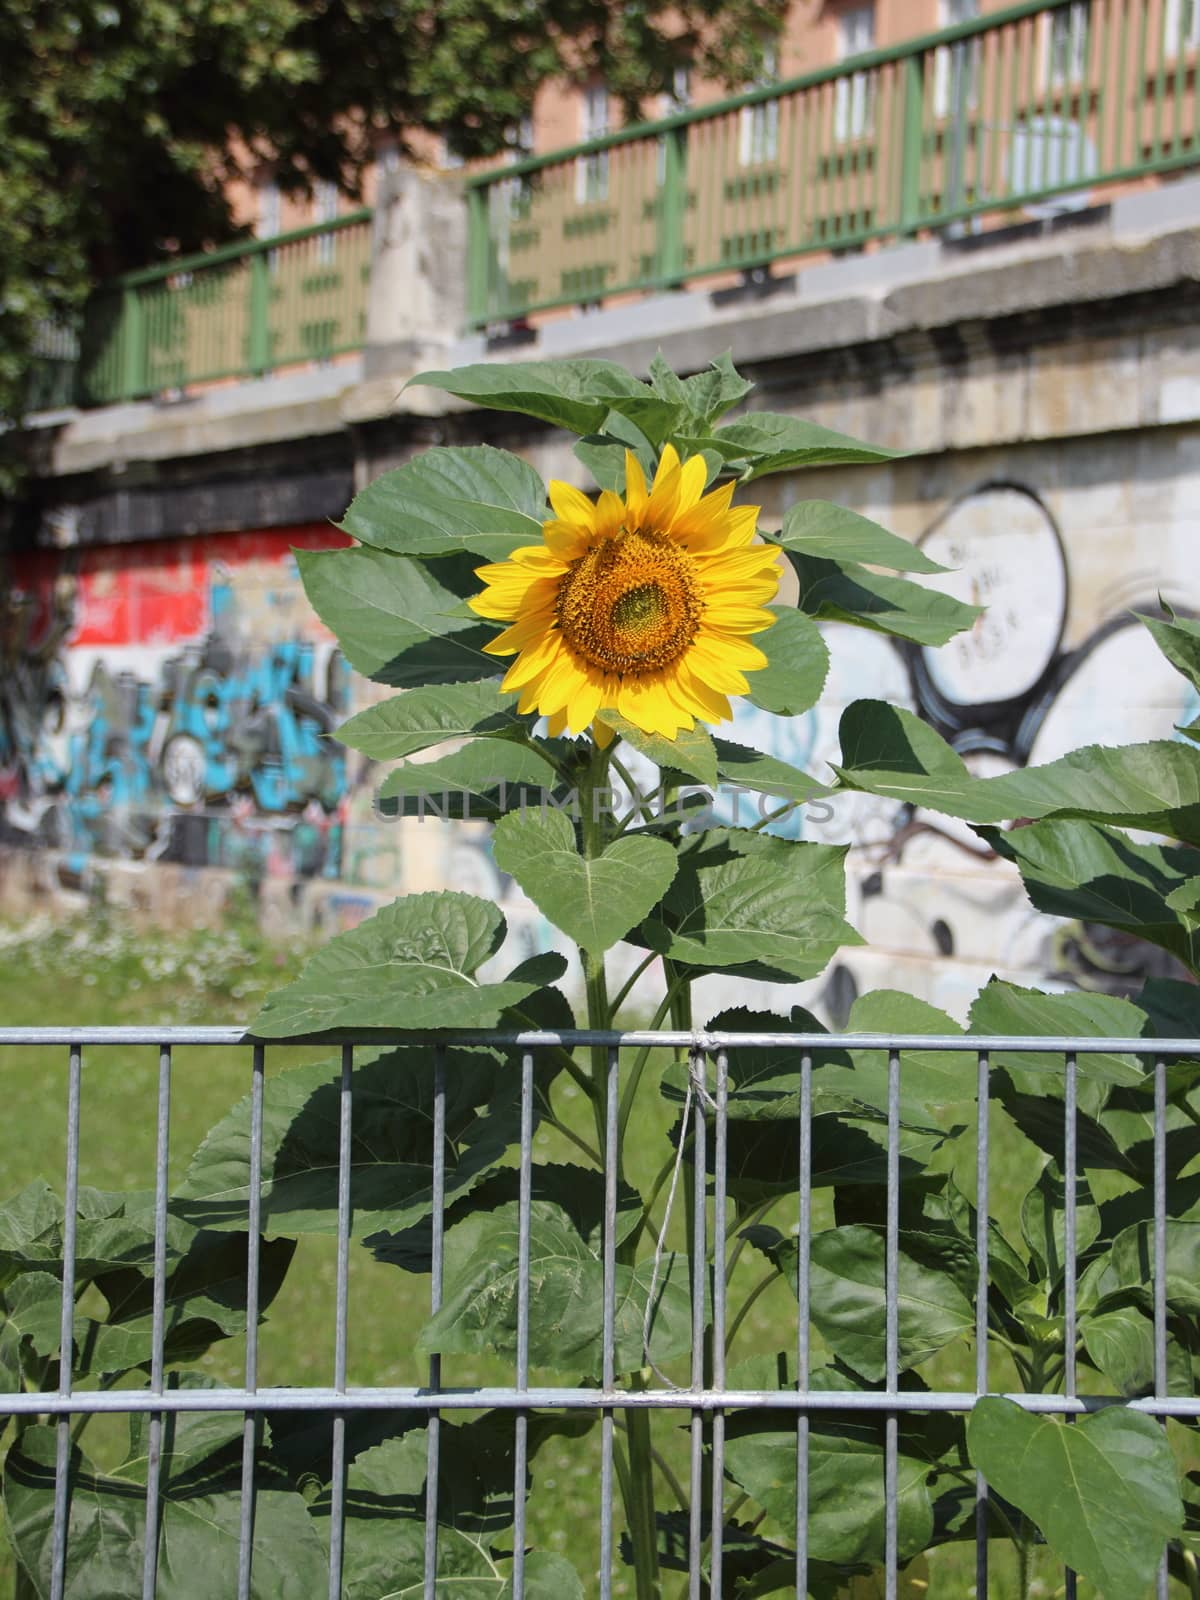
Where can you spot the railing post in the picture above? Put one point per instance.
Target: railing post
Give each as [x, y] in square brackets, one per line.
[911, 147]
[259, 350]
[479, 246]
[672, 258]
[134, 376]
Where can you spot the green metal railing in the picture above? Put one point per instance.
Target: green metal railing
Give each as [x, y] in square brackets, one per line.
[238, 312]
[970, 126]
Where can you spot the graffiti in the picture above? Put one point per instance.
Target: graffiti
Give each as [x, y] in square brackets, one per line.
[146, 713]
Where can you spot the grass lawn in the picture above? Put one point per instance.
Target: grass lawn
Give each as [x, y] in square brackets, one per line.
[103, 975]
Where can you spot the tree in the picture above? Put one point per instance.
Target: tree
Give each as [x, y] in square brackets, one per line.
[122, 124]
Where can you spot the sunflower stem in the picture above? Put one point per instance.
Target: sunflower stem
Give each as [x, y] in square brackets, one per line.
[637, 1480]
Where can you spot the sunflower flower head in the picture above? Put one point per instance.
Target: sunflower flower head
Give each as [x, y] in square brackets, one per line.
[640, 606]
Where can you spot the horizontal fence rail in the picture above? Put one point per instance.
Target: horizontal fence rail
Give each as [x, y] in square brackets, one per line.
[706, 1399]
[243, 311]
[1041, 105]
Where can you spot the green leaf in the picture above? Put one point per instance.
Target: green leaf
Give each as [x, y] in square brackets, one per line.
[391, 1157]
[576, 395]
[395, 618]
[199, 1517]
[1179, 640]
[1104, 1490]
[929, 1079]
[888, 751]
[415, 721]
[1093, 874]
[205, 1300]
[936, 1287]
[797, 664]
[767, 441]
[471, 498]
[706, 396]
[576, 1191]
[1121, 1344]
[752, 769]
[30, 1312]
[691, 751]
[844, 591]
[385, 1511]
[479, 1308]
[1130, 1265]
[746, 899]
[1043, 1221]
[482, 780]
[595, 902]
[1001, 1008]
[834, 533]
[846, 1512]
[1185, 901]
[113, 1231]
[411, 965]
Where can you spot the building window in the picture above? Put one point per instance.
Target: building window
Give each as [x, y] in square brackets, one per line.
[269, 211]
[1068, 44]
[325, 209]
[956, 66]
[854, 96]
[1182, 26]
[758, 131]
[591, 172]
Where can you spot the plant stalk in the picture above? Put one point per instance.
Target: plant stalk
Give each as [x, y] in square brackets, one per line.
[637, 1478]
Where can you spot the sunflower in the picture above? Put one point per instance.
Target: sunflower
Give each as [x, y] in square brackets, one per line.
[639, 606]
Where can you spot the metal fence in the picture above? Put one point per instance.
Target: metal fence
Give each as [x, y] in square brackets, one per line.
[242, 311]
[706, 1400]
[1045, 103]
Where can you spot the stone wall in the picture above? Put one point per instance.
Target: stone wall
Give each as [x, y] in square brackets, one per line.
[165, 692]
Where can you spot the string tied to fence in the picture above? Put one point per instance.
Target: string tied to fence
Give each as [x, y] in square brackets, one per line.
[697, 1089]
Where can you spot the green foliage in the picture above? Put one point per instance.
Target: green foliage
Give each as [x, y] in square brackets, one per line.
[124, 128]
[604, 865]
[1104, 1491]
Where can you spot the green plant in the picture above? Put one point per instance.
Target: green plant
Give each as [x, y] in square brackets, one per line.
[634, 868]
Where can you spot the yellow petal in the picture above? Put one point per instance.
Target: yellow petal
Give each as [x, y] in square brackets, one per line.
[556, 724]
[735, 652]
[564, 540]
[571, 505]
[522, 632]
[585, 703]
[531, 663]
[692, 477]
[610, 513]
[635, 491]
[734, 618]
[602, 734]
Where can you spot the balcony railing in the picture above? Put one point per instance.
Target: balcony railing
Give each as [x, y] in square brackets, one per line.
[1042, 104]
[239, 312]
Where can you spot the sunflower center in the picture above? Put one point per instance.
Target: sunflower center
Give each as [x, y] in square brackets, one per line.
[631, 605]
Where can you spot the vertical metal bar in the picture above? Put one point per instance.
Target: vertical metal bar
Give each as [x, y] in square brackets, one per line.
[521, 1422]
[716, 1545]
[982, 1205]
[66, 1339]
[1017, 33]
[437, 1264]
[1180, 85]
[250, 1422]
[992, 120]
[1160, 85]
[479, 254]
[608, 1338]
[892, 1330]
[1117, 71]
[1160, 1262]
[337, 1494]
[1070, 1158]
[1139, 88]
[699, 1265]
[914, 118]
[157, 1323]
[803, 1245]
